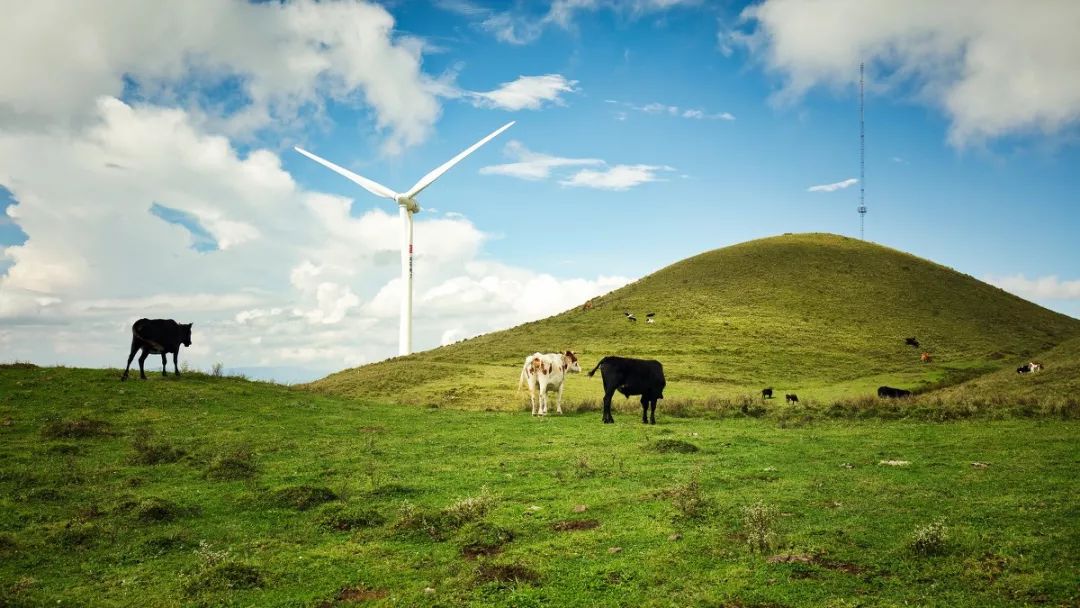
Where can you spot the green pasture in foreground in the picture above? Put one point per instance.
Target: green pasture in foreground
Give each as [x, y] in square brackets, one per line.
[217, 491]
[818, 315]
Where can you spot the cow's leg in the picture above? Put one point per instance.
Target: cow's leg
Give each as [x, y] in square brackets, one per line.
[142, 359]
[558, 402]
[644, 410]
[131, 356]
[652, 412]
[543, 399]
[608, 419]
[532, 396]
[164, 364]
[176, 368]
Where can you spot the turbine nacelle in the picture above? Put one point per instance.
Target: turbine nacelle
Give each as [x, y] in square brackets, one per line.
[409, 204]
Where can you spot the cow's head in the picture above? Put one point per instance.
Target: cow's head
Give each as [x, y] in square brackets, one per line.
[185, 333]
[570, 361]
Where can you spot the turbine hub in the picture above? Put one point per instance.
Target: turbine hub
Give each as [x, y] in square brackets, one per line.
[410, 205]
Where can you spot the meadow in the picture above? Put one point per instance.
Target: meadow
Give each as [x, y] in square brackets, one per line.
[206, 491]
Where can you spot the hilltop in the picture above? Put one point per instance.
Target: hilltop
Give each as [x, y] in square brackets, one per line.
[819, 314]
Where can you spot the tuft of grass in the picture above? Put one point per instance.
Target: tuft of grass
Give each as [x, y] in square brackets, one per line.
[302, 498]
[689, 500]
[930, 539]
[150, 450]
[219, 571]
[469, 509]
[73, 534]
[344, 518]
[80, 428]
[231, 464]
[678, 446]
[154, 510]
[483, 539]
[512, 573]
[759, 521]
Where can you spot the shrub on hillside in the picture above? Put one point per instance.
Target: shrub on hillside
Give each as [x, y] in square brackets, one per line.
[758, 521]
[931, 539]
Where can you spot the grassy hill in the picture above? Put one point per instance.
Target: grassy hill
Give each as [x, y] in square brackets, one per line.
[820, 315]
[204, 491]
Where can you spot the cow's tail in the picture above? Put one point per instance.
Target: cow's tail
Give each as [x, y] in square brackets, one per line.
[524, 378]
[590, 374]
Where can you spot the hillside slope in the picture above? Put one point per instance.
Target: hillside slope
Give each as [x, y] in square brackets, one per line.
[819, 314]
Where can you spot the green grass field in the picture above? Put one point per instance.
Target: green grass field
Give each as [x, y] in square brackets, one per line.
[218, 491]
[820, 315]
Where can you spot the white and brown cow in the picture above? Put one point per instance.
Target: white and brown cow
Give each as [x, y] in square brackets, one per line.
[546, 372]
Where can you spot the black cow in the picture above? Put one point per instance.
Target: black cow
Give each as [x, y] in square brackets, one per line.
[792, 398]
[911, 342]
[766, 393]
[158, 337]
[643, 377]
[888, 392]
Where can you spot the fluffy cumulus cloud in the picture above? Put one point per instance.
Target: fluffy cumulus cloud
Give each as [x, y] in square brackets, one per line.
[851, 181]
[996, 67]
[1039, 288]
[281, 60]
[534, 166]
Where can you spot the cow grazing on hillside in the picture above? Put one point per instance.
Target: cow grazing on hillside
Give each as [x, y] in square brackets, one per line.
[888, 392]
[630, 316]
[925, 358]
[643, 377]
[545, 372]
[1030, 367]
[792, 398]
[766, 393]
[911, 342]
[157, 337]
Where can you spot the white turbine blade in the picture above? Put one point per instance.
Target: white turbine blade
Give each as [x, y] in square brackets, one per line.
[371, 186]
[434, 175]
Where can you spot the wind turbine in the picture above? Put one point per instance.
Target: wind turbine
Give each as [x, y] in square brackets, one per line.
[407, 206]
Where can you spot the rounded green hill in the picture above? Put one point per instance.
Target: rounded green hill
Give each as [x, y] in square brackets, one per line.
[821, 315]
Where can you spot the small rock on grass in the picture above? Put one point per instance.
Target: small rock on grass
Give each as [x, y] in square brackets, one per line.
[614, 550]
[895, 463]
[675, 537]
[980, 465]
[580, 508]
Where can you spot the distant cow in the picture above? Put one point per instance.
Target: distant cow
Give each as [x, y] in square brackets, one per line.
[643, 377]
[792, 398]
[766, 393]
[1031, 368]
[911, 342]
[545, 372]
[1035, 366]
[588, 305]
[157, 337]
[630, 316]
[925, 358]
[888, 392]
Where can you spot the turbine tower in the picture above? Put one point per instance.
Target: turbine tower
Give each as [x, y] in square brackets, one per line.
[407, 206]
[862, 160]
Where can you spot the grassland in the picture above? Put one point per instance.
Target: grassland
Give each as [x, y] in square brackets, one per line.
[218, 491]
[820, 315]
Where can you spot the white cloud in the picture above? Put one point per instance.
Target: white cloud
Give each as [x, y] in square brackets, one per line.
[851, 181]
[658, 108]
[533, 165]
[516, 27]
[536, 166]
[1039, 288]
[995, 67]
[312, 283]
[283, 59]
[525, 93]
[618, 177]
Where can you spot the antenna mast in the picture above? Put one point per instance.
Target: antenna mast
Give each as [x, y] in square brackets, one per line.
[862, 160]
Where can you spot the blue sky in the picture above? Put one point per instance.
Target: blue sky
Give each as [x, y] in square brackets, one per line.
[649, 131]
